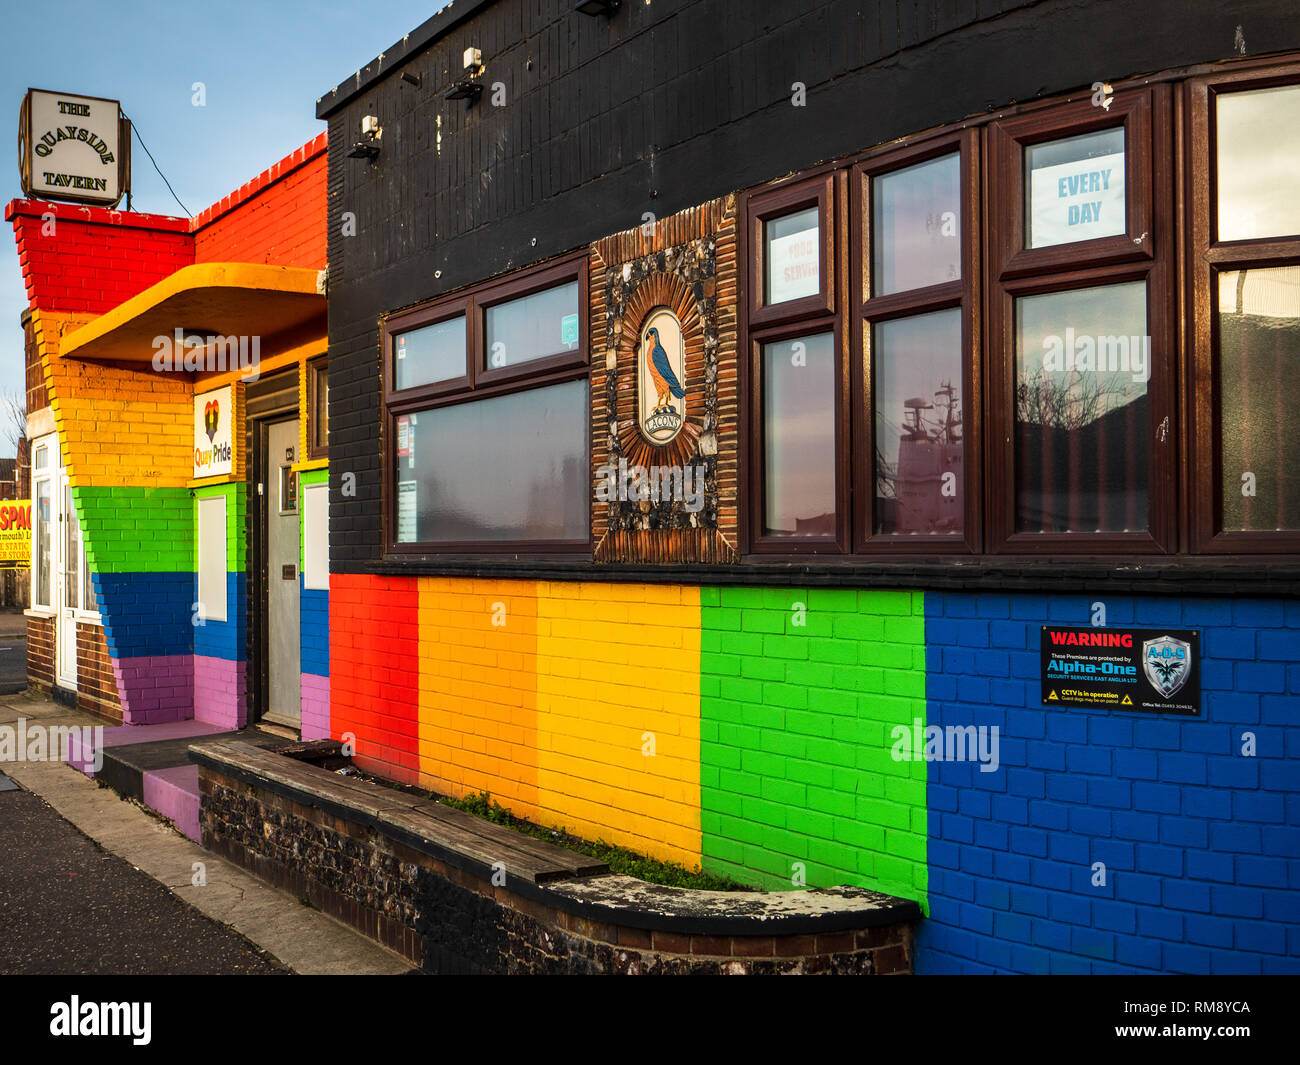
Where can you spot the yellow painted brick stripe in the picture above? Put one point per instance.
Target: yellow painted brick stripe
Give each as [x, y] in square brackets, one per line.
[478, 689]
[616, 662]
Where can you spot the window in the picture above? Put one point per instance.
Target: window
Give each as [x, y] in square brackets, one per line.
[1081, 366]
[1245, 127]
[488, 413]
[42, 593]
[798, 469]
[318, 409]
[915, 428]
[1007, 339]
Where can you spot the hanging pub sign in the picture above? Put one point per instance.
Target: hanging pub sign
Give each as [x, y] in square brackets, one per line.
[74, 148]
[1146, 670]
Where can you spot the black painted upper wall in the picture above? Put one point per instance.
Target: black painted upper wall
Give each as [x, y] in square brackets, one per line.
[664, 106]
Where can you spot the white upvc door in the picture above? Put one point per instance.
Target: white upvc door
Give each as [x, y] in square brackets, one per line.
[58, 558]
[68, 584]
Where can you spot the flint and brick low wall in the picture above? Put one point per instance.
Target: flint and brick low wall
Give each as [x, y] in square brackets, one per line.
[456, 894]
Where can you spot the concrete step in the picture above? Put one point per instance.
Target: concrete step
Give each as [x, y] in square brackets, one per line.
[151, 764]
[174, 794]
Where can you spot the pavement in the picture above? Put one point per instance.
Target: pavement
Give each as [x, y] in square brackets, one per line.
[13, 652]
[92, 883]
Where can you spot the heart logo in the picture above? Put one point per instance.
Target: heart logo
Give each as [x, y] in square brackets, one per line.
[211, 418]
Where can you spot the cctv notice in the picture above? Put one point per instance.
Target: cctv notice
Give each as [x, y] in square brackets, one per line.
[1155, 671]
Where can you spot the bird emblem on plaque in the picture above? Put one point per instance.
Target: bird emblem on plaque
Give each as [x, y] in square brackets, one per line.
[661, 377]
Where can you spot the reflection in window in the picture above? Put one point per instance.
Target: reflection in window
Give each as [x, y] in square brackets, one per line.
[792, 257]
[320, 404]
[1258, 144]
[1259, 419]
[513, 467]
[1082, 438]
[1074, 189]
[532, 327]
[71, 551]
[430, 354]
[799, 436]
[916, 392]
[41, 533]
[916, 226]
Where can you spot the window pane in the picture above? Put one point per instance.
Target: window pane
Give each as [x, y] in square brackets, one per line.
[792, 247]
[71, 552]
[916, 391]
[509, 468]
[42, 456]
[321, 406]
[916, 226]
[1083, 359]
[433, 353]
[799, 436]
[1074, 189]
[532, 327]
[41, 532]
[1259, 419]
[88, 584]
[1258, 143]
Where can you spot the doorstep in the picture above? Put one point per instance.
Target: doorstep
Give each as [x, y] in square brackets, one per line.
[149, 763]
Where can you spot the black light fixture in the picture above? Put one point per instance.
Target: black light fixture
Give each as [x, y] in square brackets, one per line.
[596, 7]
[465, 89]
[364, 150]
[468, 88]
[368, 146]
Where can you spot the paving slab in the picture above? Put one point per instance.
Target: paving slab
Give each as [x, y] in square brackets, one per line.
[301, 938]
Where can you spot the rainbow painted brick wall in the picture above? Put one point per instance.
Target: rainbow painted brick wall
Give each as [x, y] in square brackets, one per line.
[752, 731]
[220, 647]
[126, 432]
[314, 627]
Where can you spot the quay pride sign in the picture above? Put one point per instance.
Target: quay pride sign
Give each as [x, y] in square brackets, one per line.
[74, 148]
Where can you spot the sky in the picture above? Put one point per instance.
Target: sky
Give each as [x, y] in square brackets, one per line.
[262, 66]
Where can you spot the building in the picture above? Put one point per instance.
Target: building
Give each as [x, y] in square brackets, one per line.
[175, 399]
[730, 399]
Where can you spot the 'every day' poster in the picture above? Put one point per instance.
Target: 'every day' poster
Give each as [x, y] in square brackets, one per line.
[1076, 201]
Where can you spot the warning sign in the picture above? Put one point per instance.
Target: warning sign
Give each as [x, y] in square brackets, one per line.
[1145, 670]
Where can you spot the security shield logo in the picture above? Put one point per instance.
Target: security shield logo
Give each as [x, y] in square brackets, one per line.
[1167, 663]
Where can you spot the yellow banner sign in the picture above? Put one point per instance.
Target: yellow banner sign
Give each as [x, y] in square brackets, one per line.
[15, 532]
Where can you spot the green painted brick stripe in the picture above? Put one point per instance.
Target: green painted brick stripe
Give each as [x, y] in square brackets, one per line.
[800, 690]
[137, 530]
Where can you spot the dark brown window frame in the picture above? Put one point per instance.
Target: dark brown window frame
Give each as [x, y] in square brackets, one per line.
[819, 192]
[316, 367]
[477, 385]
[963, 294]
[787, 321]
[1208, 257]
[1147, 251]
[1006, 140]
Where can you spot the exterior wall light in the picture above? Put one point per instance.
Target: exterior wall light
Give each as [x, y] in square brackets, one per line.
[467, 88]
[371, 134]
[597, 7]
